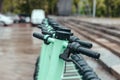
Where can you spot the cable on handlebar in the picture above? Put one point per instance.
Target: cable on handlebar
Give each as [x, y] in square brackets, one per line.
[76, 47]
[83, 68]
[83, 43]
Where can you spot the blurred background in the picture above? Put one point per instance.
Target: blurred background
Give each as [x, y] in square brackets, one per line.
[103, 8]
[96, 21]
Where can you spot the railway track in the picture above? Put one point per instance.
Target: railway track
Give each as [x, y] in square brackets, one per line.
[105, 36]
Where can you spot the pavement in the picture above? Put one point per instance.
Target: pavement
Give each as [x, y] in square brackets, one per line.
[19, 51]
[104, 21]
[108, 59]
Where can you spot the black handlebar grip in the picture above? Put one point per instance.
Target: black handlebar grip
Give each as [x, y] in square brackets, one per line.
[39, 36]
[75, 47]
[39, 26]
[84, 43]
[48, 33]
[88, 52]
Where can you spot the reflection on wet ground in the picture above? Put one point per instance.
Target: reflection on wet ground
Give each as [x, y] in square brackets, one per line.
[18, 52]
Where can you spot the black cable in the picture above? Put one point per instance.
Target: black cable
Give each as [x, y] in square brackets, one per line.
[83, 68]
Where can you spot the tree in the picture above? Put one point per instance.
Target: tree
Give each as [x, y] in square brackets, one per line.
[52, 6]
[76, 4]
[101, 8]
[105, 8]
[1, 1]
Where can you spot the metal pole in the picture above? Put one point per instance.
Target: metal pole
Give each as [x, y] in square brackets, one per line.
[94, 8]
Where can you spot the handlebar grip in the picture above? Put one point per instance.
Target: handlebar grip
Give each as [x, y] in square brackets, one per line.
[88, 52]
[46, 32]
[39, 36]
[39, 26]
[75, 47]
[84, 43]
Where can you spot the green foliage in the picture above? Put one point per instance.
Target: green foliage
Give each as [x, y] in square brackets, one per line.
[52, 6]
[73, 9]
[101, 8]
[76, 5]
[26, 6]
[110, 8]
